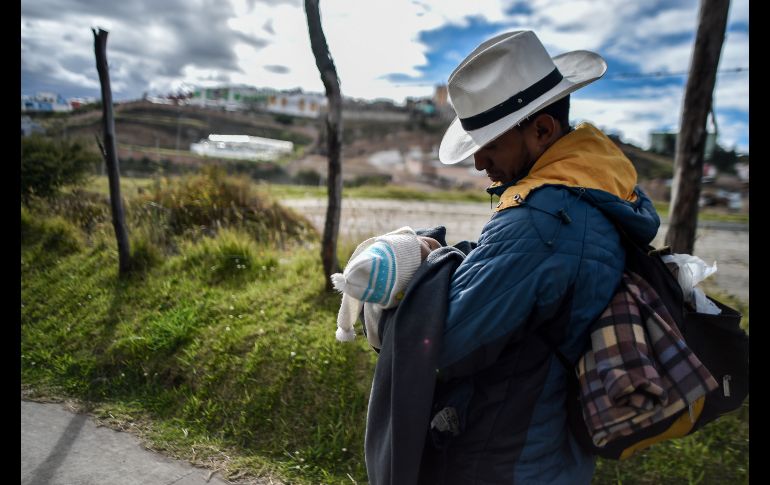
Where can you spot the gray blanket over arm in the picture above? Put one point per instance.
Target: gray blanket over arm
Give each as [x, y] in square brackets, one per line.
[400, 403]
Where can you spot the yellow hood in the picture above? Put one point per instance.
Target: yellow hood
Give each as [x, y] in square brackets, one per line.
[585, 157]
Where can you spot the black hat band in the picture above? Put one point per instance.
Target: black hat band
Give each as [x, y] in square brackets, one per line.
[512, 104]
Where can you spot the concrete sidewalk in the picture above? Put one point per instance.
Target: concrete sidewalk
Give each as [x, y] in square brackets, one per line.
[59, 447]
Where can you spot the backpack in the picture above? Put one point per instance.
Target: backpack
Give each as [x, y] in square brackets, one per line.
[716, 340]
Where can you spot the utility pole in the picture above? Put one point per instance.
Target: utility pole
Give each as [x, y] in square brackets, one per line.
[110, 152]
[691, 142]
[178, 119]
[325, 64]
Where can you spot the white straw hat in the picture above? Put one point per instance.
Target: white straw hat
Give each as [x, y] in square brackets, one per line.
[502, 82]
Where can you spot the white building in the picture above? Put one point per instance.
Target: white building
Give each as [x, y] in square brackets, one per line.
[44, 102]
[231, 98]
[308, 105]
[242, 147]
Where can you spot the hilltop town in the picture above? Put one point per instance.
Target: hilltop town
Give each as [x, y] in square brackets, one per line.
[278, 136]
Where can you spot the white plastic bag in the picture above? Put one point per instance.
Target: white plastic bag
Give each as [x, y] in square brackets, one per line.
[693, 270]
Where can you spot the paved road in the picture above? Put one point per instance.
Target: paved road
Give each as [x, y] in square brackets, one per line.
[59, 447]
[725, 243]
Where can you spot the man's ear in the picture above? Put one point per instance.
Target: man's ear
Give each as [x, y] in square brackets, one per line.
[541, 133]
[545, 126]
[546, 130]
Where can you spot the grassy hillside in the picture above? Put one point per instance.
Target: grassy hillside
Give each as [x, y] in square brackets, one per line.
[134, 185]
[648, 165]
[174, 127]
[221, 341]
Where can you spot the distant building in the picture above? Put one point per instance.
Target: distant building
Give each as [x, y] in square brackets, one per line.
[76, 103]
[308, 105]
[159, 100]
[230, 98]
[665, 143]
[29, 127]
[441, 101]
[441, 96]
[242, 147]
[44, 102]
[388, 160]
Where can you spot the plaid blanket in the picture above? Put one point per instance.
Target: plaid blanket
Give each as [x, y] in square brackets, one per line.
[639, 370]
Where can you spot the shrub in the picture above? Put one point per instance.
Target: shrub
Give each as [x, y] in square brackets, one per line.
[376, 180]
[283, 119]
[230, 257]
[53, 236]
[84, 209]
[48, 164]
[144, 254]
[307, 177]
[204, 203]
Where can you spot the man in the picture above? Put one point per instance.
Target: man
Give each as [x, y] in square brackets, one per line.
[546, 265]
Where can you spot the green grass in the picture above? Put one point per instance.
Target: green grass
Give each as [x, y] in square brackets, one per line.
[228, 345]
[403, 193]
[220, 349]
[162, 120]
[131, 185]
[378, 192]
[705, 214]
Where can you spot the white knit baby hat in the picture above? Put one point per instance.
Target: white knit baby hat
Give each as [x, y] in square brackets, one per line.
[377, 273]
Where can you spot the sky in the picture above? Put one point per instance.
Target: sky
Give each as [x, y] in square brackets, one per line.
[386, 50]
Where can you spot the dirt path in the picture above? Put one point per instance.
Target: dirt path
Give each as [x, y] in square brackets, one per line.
[727, 244]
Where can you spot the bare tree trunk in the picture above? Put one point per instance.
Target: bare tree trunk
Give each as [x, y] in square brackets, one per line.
[691, 142]
[325, 64]
[110, 152]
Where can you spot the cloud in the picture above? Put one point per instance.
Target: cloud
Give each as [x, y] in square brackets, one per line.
[277, 69]
[635, 113]
[268, 27]
[735, 51]
[733, 132]
[739, 12]
[158, 39]
[562, 25]
[392, 49]
[732, 92]
[369, 42]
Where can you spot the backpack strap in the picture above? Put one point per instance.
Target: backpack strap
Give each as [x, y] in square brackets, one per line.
[569, 366]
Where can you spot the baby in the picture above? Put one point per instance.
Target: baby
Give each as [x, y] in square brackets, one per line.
[376, 277]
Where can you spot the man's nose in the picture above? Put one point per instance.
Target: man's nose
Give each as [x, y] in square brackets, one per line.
[480, 161]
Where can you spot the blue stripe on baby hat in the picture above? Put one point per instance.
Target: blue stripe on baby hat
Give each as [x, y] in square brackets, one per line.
[384, 279]
[392, 274]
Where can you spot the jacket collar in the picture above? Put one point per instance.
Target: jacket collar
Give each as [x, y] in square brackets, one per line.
[585, 157]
